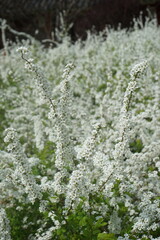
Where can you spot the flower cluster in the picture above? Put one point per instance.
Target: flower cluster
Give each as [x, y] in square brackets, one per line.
[22, 174]
[138, 69]
[22, 50]
[80, 154]
[4, 226]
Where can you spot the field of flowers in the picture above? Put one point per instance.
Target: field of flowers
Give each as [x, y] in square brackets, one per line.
[80, 137]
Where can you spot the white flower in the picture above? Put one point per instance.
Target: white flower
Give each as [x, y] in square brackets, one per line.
[10, 136]
[4, 226]
[138, 68]
[22, 50]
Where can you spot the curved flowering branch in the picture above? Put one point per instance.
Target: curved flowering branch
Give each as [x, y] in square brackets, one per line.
[23, 171]
[135, 73]
[41, 81]
[4, 226]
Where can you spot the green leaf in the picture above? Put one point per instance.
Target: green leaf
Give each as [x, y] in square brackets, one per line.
[83, 221]
[100, 223]
[106, 236]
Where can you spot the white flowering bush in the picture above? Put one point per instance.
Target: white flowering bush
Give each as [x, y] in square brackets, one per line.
[80, 138]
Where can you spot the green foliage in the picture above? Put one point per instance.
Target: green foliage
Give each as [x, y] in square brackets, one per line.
[17, 217]
[45, 155]
[106, 236]
[80, 225]
[136, 145]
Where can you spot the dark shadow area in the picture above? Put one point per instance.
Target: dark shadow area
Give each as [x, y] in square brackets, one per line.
[44, 15]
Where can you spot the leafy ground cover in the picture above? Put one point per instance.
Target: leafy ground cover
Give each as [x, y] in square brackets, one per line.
[80, 137]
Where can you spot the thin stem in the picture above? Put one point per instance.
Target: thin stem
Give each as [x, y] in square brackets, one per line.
[37, 74]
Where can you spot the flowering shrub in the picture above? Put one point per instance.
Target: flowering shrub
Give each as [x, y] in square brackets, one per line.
[80, 158]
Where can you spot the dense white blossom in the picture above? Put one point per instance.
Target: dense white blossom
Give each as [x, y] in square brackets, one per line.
[87, 134]
[4, 226]
[22, 174]
[22, 50]
[137, 69]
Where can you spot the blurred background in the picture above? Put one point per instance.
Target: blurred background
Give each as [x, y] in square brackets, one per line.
[42, 18]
